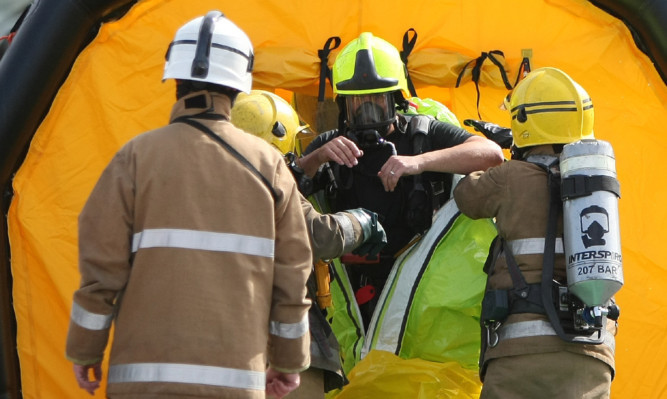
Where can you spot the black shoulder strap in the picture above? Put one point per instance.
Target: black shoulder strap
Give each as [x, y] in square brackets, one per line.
[418, 130]
[230, 149]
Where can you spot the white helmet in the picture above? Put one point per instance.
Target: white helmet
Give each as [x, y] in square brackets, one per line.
[211, 49]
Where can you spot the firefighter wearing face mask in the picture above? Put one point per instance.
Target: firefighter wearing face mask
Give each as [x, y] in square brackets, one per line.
[397, 166]
[547, 333]
[269, 116]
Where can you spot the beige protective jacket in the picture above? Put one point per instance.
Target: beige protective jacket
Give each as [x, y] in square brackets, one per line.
[332, 235]
[202, 271]
[516, 194]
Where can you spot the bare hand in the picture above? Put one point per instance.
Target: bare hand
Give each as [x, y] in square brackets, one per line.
[395, 167]
[280, 384]
[341, 150]
[81, 373]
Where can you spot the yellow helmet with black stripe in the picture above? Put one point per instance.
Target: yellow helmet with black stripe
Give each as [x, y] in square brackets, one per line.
[548, 107]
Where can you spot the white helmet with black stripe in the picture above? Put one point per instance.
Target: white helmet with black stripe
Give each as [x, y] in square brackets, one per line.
[211, 49]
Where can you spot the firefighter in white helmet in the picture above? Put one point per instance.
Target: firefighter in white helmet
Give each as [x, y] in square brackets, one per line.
[531, 345]
[270, 117]
[194, 246]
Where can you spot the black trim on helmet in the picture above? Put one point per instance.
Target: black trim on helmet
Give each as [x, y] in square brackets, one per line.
[365, 76]
[200, 62]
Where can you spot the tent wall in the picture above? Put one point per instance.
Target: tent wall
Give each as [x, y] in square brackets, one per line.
[112, 91]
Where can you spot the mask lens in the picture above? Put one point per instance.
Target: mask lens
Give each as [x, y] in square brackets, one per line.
[369, 110]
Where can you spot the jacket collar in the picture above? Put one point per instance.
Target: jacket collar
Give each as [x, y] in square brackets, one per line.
[202, 102]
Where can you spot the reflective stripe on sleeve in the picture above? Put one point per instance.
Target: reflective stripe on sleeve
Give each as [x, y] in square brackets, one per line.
[187, 374]
[348, 231]
[89, 320]
[204, 240]
[533, 328]
[289, 330]
[532, 246]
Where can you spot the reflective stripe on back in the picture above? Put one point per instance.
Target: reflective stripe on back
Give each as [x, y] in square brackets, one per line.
[89, 320]
[204, 240]
[534, 328]
[187, 374]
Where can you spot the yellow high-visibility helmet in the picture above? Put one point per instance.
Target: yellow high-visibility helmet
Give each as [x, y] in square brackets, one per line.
[367, 73]
[548, 107]
[269, 116]
[369, 65]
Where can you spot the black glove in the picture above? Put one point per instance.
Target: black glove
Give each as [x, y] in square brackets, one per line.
[501, 135]
[375, 237]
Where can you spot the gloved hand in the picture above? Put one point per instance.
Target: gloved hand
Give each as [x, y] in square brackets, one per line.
[374, 238]
[501, 135]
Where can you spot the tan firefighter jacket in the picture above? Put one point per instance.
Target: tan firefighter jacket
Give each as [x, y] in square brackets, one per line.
[194, 261]
[332, 235]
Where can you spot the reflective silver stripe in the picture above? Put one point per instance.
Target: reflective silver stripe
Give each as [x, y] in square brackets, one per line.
[534, 328]
[204, 240]
[289, 331]
[348, 231]
[525, 329]
[187, 374]
[597, 161]
[89, 320]
[532, 246]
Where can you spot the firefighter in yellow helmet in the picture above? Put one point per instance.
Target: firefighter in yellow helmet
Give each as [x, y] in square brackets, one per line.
[269, 116]
[396, 165]
[525, 352]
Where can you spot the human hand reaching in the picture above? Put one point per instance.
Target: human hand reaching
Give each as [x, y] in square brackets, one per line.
[279, 384]
[81, 373]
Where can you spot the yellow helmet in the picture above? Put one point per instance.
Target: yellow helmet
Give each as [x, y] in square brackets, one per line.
[269, 116]
[369, 65]
[366, 73]
[548, 107]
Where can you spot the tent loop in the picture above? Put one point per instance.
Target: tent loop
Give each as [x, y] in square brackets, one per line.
[524, 68]
[408, 45]
[477, 69]
[325, 71]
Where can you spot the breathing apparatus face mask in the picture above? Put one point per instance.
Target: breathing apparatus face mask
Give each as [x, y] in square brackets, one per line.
[369, 117]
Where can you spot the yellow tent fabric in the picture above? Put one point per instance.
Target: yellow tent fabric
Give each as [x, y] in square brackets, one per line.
[114, 92]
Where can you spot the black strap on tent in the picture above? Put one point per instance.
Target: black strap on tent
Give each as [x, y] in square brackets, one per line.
[200, 126]
[408, 45]
[524, 68]
[325, 71]
[477, 70]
